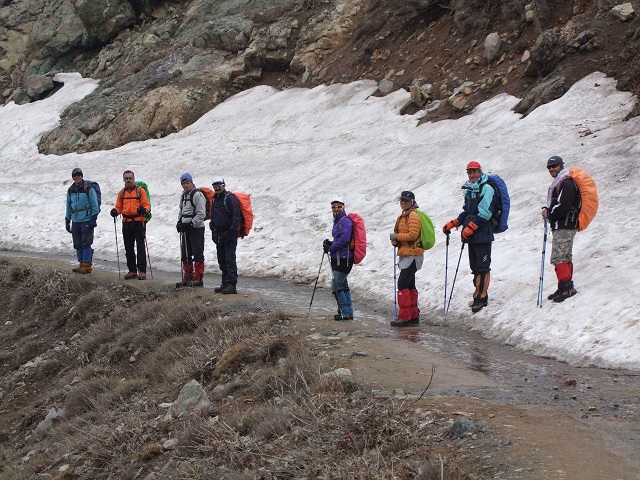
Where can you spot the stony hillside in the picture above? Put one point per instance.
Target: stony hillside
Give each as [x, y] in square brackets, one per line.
[163, 63]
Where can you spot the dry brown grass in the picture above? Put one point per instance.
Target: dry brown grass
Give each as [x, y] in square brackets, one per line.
[275, 415]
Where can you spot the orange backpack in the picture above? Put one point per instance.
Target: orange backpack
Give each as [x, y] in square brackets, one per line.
[244, 199]
[588, 196]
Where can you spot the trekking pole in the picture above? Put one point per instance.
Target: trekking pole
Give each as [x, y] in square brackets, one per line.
[544, 249]
[453, 285]
[115, 230]
[146, 245]
[182, 254]
[446, 274]
[395, 284]
[316, 285]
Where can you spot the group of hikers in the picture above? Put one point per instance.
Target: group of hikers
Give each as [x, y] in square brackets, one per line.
[132, 203]
[476, 222]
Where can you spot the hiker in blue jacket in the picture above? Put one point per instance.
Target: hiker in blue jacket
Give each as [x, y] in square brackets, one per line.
[81, 219]
[341, 256]
[477, 230]
[226, 220]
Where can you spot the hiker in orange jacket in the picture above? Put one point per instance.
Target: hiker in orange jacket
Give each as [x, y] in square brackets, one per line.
[132, 203]
[406, 236]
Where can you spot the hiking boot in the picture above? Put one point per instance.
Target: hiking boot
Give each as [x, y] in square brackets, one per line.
[562, 296]
[219, 289]
[554, 295]
[86, 268]
[183, 284]
[197, 283]
[479, 304]
[78, 268]
[228, 289]
[405, 323]
[131, 275]
[473, 302]
[339, 317]
[142, 276]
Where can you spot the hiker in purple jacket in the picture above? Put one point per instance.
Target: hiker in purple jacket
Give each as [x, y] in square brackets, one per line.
[341, 255]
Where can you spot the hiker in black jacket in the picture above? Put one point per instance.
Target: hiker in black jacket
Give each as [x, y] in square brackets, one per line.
[226, 220]
[562, 212]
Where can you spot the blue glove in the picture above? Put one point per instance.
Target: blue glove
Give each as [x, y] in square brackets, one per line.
[67, 225]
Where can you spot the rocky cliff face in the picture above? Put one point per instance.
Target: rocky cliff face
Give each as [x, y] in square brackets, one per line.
[162, 63]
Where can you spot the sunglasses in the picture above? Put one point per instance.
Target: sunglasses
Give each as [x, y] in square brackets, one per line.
[76, 175]
[128, 178]
[549, 167]
[336, 207]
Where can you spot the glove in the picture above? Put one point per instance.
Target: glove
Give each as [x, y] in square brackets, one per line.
[326, 245]
[67, 225]
[113, 213]
[450, 226]
[187, 227]
[469, 230]
[393, 237]
[93, 223]
[141, 211]
[179, 226]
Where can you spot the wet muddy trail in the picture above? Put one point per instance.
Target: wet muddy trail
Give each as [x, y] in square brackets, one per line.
[559, 421]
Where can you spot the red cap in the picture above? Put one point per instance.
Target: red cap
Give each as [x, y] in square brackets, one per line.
[474, 165]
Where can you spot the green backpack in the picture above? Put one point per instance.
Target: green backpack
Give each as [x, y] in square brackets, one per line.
[427, 233]
[140, 184]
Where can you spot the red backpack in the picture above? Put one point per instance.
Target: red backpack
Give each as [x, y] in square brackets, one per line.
[359, 239]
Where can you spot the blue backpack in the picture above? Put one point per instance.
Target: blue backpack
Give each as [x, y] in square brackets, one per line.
[500, 216]
[90, 184]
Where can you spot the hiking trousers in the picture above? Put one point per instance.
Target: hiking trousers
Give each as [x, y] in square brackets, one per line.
[195, 246]
[133, 234]
[226, 253]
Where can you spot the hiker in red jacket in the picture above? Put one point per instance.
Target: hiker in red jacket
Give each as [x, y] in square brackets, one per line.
[562, 212]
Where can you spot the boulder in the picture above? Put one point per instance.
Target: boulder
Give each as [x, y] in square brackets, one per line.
[492, 45]
[191, 398]
[546, 92]
[38, 86]
[623, 12]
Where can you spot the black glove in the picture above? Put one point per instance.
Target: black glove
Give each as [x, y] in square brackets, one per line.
[113, 213]
[67, 225]
[326, 245]
[179, 226]
[187, 227]
[93, 223]
[142, 211]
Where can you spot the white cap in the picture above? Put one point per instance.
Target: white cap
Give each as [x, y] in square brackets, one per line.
[217, 180]
[337, 200]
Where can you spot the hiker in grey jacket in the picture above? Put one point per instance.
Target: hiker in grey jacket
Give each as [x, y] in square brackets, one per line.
[81, 219]
[193, 205]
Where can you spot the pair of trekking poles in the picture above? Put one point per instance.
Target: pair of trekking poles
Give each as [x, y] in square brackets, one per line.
[146, 246]
[540, 283]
